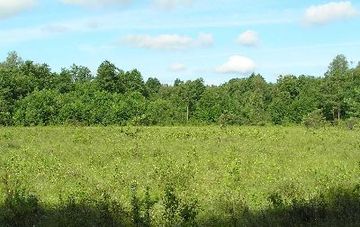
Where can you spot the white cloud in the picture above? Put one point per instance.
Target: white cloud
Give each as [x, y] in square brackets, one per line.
[177, 67]
[330, 12]
[10, 8]
[169, 41]
[237, 64]
[96, 3]
[248, 38]
[171, 4]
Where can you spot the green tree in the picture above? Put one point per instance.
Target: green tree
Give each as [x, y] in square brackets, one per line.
[211, 105]
[80, 74]
[307, 100]
[257, 99]
[119, 97]
[153, 86]
[284, 93]
[108, 77]
[333, 88]
[5, 110]
[39, 108]
[178, 82]
[13, 60]
[160, 112]
[133, 81]
[352, 93]
[190, 93]
[63, 81]
[247, 99]
[38, 76]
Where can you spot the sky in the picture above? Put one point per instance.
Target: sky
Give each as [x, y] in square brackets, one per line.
[187, 39]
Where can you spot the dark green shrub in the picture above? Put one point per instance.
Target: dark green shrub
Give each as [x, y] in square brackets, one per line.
[276, 200]
[39, 108]
[135, 207]
[171, 204]
[314, 119]
[20, 209]
[141, 208]
[148, 204]
[78, 211]
[229, 119]
[177, 212]
[189, 212]
[351, 123]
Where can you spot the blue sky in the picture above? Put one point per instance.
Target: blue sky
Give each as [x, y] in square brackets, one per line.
[187, 39]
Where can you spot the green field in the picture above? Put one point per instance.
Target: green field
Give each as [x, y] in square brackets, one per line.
[223, 169]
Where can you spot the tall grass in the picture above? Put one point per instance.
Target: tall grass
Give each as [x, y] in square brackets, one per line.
[336, 207]
[182, 176]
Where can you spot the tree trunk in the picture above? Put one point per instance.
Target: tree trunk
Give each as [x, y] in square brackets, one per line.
[187, 113]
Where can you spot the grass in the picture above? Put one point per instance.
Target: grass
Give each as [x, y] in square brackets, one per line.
[216, 175]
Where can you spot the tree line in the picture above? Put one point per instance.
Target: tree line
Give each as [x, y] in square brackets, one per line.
[32, 94]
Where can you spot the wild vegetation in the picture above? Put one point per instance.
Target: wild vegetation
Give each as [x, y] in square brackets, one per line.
[179, 176]
[31, 94]
[201, 171]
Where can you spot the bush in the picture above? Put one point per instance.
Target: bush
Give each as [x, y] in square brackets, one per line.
[229, 119]
[20, 208]
[314, 119]
[39, 108]
[76, 211]
[351, 123]
[178, 212]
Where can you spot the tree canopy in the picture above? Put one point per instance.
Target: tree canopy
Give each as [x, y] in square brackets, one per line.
[32, 94]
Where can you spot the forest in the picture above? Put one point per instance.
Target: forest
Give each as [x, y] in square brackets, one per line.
[32, 94]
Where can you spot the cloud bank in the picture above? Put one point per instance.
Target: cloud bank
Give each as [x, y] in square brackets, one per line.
[163, 4]
[169, 41]
[10, 8]
[330, 12]
[96, 3]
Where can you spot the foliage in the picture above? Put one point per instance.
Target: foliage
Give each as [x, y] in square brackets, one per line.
[20, 208]
[229, 119]
[176, 211]
[314, 119]
[31, 94]
[39, 108]
[352, 123]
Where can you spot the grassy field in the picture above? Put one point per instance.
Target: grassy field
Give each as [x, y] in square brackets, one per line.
[217, 174]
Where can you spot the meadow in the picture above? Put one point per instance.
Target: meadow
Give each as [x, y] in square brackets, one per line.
[184, 176]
